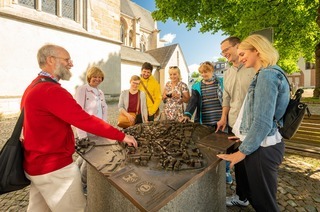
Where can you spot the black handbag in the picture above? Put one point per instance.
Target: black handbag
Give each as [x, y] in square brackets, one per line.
[12, 176]
[293, 116]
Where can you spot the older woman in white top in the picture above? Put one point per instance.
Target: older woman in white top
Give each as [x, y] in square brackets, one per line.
[91, 98]
[128, 102]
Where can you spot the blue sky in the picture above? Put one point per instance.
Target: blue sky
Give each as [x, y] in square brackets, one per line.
[196, 47]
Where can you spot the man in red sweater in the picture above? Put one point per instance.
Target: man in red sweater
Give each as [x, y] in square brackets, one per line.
[49, 112]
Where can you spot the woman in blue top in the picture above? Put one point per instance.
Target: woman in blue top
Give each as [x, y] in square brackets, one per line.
[262, 148]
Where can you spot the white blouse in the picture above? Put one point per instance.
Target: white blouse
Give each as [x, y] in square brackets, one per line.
[268, 141]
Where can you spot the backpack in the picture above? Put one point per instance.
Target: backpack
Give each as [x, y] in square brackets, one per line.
[294, 114]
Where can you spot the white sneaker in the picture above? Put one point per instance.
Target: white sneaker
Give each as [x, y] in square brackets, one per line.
[235, 201]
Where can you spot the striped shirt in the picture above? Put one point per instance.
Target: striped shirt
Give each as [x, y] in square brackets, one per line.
[211, 106]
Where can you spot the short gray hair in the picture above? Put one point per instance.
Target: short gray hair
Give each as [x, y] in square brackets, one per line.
[46, 51]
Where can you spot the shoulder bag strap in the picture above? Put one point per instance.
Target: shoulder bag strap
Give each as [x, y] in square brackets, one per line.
[44, 79]
[138, 103]
[284, 77]
[17, 129]
[146, 89]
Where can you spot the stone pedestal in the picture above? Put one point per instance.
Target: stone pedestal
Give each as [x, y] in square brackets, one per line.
[204, 192]
[114, 184]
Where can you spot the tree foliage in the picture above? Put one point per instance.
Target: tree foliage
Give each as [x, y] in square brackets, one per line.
[195, 74]
[222, 59]
[296, 32]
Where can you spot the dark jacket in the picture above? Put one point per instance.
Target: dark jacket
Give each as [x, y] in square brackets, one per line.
[195, 101]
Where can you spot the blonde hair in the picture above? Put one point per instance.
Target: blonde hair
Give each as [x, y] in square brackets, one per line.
[134, 78]
[206, 67]
[173, 68]
[268, 54]
[94, 71]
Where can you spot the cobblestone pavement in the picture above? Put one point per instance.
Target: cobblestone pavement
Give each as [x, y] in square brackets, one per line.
[298, 189]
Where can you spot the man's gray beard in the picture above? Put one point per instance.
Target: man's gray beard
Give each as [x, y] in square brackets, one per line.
[62, 72]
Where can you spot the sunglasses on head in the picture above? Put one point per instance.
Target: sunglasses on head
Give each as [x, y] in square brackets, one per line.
[207, 63]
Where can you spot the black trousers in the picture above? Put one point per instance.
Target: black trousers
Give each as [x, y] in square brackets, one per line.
[262, 172]
[242, 185]
[138, 119]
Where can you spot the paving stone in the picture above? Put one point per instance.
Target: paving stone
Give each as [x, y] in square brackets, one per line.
[294, 183]
[282, 190]
[310, 208]
[316, 198]
[289, 195]
[292, 203]
[282, 202]
[290, 208]
[299, 202]
[300, 209]
[281, 208]
[308, 202]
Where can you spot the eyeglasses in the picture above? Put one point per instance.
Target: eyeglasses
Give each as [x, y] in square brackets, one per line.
[68, 60]
[135, 83]
[225, 50]
[170, 67]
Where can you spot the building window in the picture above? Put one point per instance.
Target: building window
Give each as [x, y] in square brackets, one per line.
[122, 37]
[142, 47]
[143, 43]
[130, 38]
[28, 3]
[64, 8]
[49, 6]
[68, 9]
[123, 32]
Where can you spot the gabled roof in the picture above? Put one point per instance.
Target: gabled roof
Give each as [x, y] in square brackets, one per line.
[132, 55]
[135, 11]
[126, 8]
[163, 54]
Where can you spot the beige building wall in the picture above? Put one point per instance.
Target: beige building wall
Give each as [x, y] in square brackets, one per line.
[106, 16]
[127, 70]
[93, 41]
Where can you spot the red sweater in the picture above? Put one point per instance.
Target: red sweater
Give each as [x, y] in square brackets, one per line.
[49, 112]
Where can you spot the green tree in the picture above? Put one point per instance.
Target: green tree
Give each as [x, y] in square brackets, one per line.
[222, 59]
[296, 32]
[195, 74]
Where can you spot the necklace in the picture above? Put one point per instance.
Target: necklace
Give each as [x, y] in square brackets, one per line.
[212, 79]
[209, 81]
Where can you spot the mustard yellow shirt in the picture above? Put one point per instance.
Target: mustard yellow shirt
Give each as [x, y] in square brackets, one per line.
[154, 89]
